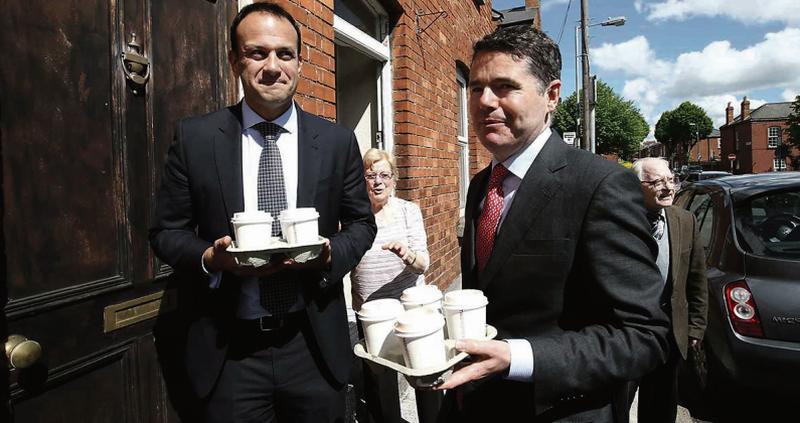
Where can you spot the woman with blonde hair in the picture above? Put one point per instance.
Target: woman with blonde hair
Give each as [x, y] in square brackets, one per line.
[399, 255]
[397, 260]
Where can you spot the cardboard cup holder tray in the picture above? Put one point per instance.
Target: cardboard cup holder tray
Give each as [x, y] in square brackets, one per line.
[425, 378]
[299, 252]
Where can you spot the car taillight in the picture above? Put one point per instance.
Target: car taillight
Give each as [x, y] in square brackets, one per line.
[742, 310]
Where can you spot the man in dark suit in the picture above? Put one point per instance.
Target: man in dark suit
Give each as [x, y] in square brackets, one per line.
[251, 355]
[681, 262]
[555, 238]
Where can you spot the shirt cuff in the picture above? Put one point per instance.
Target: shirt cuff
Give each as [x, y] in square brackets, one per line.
[521, 368]
[214, 279]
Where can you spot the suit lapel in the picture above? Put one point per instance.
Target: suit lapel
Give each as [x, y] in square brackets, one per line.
[308, 160]
[535, 191]
[675, 232]
[228, 160]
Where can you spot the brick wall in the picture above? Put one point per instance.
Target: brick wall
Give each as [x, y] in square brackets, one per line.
[763, 156]
[703, 147]
[425, 104]
[426, 118]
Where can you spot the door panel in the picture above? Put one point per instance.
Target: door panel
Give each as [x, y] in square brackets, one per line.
[58, 151]
[81, 150]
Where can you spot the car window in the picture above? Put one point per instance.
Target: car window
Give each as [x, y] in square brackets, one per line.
[681, 198]
[703, 210]
[769, 224]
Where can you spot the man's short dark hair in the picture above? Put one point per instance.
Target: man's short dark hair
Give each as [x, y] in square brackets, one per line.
[268, 8]
[527, 43]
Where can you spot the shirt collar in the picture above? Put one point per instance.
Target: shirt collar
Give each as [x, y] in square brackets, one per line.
[519, 162]
[287, 120]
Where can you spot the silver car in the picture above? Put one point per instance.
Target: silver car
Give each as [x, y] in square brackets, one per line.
[750, 227]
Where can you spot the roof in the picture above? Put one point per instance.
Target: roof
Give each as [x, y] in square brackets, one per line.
[768, 111]
[744, 186]
[516, 16]
[714, 133]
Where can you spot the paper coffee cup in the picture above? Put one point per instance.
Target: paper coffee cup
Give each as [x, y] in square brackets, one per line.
[299, 226]
[421, 333]
[253, 229]
[465, 313]
[377, 318]
[427, 296]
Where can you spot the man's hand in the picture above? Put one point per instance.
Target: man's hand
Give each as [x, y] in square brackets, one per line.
[488, 358]
[216, 258]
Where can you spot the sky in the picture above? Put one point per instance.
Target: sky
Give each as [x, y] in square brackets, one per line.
[709, 52]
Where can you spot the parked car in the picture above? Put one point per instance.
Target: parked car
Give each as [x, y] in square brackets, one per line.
[750, 228]
[701, 175]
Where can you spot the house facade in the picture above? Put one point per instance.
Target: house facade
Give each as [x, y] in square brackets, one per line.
[755, 138]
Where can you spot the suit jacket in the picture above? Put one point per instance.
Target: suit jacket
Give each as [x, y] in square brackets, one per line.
[689, 298]
[201, 189]
[572, 271]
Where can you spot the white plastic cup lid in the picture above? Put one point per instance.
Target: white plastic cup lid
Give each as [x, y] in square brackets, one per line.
[465, 298]
[423, 294]
[303, 213]
[377, 310]
[252, 216]
[418, 322]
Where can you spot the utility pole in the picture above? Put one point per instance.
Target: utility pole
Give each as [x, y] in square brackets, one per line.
[586, 109]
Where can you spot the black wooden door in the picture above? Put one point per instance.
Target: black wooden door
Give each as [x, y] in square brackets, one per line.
[81, 150]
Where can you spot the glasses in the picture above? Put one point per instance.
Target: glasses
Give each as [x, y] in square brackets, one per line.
[385, 176]
[663, 182]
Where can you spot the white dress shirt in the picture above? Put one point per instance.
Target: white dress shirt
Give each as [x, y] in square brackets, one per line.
[521, 368]
[249, 306]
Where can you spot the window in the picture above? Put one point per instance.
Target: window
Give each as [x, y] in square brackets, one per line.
[363, 72]
[773, 136]
[703, 209]
[778, 164]
[769, 225]
[463, 144]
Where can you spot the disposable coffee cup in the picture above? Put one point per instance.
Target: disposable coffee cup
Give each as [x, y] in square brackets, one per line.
[377, 318]
[299, 226]
[465, 313]
[253, 229]
[422, 296]
[421, 332]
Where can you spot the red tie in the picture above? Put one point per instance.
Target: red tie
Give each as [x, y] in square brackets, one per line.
[492, 208]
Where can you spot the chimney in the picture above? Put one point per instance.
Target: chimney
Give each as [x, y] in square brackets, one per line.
[535, 4]
[745, 108]
[728, 114]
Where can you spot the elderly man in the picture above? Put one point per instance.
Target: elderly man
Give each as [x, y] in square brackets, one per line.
[557, 239]
[270, 343]
[681, 262]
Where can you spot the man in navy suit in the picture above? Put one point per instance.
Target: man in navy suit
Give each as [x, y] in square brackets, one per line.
[557, 240]
[249, 359]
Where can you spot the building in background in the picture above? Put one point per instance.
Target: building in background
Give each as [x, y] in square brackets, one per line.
[706, 152]
[757, 139]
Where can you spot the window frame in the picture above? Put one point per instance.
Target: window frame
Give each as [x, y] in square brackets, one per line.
[462, 135]
[773, 141]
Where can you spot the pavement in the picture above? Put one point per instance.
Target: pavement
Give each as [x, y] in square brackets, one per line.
[408, 405]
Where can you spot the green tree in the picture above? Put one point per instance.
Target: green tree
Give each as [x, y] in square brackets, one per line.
[680, 128]
[794, 123]
[619, 126]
